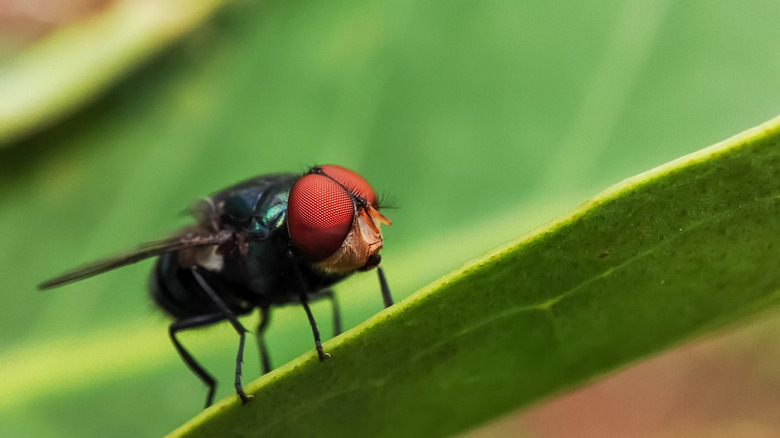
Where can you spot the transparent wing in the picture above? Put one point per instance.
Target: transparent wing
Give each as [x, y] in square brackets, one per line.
[144, 251]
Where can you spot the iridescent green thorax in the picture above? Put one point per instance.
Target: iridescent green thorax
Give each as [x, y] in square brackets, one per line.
[257, 206]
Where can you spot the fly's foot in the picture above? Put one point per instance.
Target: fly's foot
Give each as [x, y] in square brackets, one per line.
[244, 398]
[322, 354]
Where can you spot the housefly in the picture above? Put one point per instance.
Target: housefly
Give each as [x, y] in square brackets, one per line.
[265, 242]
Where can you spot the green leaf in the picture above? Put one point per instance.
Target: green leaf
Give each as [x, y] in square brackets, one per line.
[652, 261]
[481, 119]
[71, 66]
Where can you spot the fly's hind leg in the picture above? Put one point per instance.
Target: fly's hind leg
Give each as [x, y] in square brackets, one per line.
[194, 366]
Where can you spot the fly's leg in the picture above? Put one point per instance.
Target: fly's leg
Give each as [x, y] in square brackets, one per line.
[317, 343]
[194, 366]
[304, 298]
[265, 361]
[385, 288]
[334, 304]
[230, 316]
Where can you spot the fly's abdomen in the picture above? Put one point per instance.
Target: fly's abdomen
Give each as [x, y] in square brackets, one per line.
[177, 292]
[174, 289]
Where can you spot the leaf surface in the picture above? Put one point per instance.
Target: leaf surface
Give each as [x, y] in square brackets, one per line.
[482, 120]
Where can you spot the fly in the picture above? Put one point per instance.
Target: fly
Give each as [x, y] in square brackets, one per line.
[265, 242]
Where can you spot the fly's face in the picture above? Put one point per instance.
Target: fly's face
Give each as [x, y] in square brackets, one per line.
[334, 221]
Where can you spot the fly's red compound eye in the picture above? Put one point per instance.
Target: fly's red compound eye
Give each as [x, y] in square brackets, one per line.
[319, 215]
[352, 181]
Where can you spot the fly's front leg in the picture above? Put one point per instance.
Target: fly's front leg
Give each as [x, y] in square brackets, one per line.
[304, 298]
[385, 288]
[265, 361]
[230, 316]
[334, 304]
[317, 342]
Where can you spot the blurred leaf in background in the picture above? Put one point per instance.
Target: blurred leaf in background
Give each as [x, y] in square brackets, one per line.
[62, 72]
[482, 120]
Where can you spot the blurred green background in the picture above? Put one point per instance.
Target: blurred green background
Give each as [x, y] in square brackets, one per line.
[482, 120]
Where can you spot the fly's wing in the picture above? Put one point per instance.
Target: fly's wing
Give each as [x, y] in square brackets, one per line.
[145, 251]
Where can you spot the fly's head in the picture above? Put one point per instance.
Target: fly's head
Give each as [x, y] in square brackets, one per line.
[334, 221]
